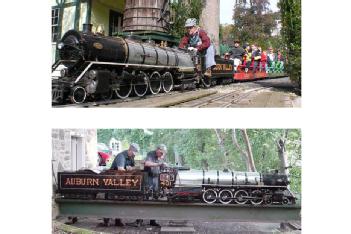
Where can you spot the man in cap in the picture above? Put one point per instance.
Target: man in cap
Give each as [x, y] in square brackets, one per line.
[124, 161]
[153, 164]
[237, 54]
[196, 39]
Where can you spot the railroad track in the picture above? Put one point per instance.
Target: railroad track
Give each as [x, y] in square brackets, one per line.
[224, 100]
[235, 97]
[114, 101]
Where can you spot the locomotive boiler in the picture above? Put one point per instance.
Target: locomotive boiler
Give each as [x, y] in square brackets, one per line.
[92, 66]
[232, 186]
[177, 184]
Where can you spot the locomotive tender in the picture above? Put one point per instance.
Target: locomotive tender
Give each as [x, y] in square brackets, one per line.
[176, 184]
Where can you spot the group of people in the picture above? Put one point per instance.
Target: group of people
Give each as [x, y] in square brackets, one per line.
[124, 161]
[249, 56]
[254, 57]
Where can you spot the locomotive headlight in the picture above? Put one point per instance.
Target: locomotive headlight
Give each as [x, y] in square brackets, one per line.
[92, 74]
[60, 45]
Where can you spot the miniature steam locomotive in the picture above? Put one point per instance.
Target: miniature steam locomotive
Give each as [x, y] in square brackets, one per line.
[92, 66]
[96, 67]
[176, 184]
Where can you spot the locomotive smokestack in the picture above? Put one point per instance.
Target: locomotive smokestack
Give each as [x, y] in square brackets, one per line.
[87, 28]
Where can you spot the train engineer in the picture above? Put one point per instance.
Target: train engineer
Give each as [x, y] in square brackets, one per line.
[153, 163]
[124, 161]
[196, 39]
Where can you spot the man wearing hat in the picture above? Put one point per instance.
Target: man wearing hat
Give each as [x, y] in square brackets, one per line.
[153, 163]
[124, 161]
[196, 39]
[237, 54]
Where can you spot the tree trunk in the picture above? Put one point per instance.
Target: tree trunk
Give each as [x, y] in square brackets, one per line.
[220, 140]
[204, 164]
[284, 164]
[209, 21]
[178, 159]
[243, 154]
[249, 151]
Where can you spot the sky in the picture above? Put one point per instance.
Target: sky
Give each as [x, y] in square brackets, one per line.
[227, 6]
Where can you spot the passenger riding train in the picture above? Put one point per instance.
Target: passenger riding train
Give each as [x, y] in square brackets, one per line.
[179, 184]
[95, 67]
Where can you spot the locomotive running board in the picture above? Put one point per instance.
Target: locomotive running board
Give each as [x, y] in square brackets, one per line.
[129, 65]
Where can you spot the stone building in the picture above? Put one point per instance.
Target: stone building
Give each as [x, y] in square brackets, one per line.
[73, 149]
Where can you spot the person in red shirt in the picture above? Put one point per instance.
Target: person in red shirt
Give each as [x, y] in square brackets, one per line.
[196, 39]
[263, 61]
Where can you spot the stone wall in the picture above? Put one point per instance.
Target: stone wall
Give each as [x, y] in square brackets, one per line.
[61, 148]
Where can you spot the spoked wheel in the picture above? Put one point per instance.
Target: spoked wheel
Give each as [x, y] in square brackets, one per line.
[78, 94]
[107, 96]
[209, 196]
[258, 197]
[141, 84]
[206, 81]
[167, 82]
[124, 90]
[240, 197]
[155, 82]
[268, 201]
[285, 201]
[225, 196]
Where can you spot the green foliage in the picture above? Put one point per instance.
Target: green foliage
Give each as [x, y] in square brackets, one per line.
[183, 10]
[291, 32]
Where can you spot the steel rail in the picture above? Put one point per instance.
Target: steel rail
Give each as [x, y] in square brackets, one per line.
[114, 101]
[242, 96]
[177, 211]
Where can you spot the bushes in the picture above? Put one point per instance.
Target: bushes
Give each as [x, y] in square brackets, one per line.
[291, 33]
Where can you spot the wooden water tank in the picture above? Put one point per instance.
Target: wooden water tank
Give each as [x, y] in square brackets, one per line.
[146, 15]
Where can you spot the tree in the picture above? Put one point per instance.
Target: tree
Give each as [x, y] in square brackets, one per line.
[249, 151]
[291, 31]
[254, 23]
[247, 155]
[284, 165]
[220, 140]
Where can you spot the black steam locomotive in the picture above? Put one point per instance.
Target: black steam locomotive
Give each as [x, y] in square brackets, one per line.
[179, 185]
[94, 67]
